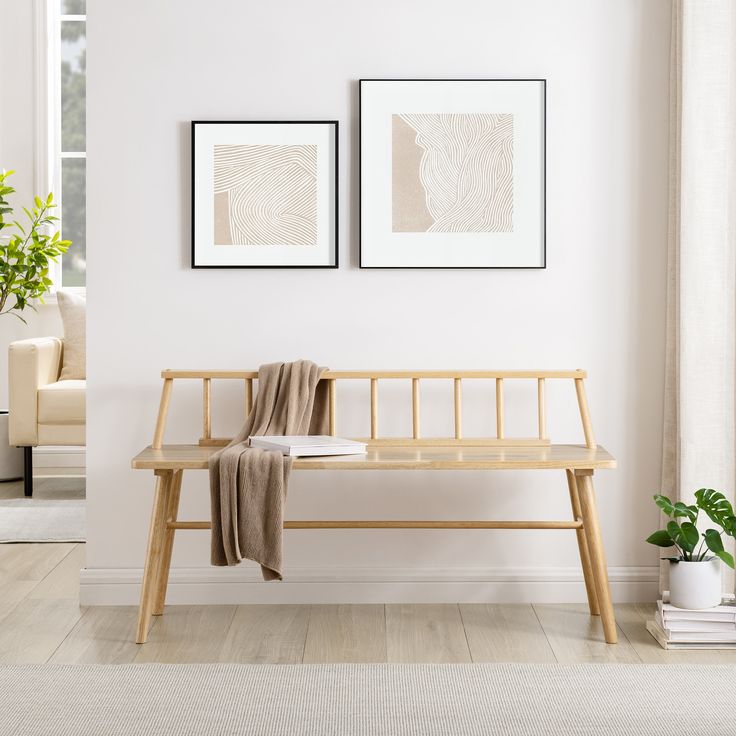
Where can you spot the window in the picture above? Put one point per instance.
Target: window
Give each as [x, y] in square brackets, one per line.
[61, 140]
[71, 123]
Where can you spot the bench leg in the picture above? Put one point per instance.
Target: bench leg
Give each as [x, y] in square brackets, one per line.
[584, 482]
[156, 540]
[583, 546]
[172, 512]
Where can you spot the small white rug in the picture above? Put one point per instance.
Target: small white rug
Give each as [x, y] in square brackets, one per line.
[42, 520]
[55, 513]
[368, 700]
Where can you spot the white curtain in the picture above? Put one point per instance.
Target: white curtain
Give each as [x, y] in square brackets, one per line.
[700, 386]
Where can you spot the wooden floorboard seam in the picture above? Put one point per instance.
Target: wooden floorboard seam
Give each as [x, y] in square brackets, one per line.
[544, 631]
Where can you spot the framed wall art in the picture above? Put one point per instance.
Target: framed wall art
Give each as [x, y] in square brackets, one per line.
[264, 194]
[452, 173]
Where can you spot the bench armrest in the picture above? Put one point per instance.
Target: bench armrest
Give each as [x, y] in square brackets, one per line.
[31, 364]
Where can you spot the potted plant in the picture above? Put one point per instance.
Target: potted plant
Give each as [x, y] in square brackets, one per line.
[695, 574]
[25, 255]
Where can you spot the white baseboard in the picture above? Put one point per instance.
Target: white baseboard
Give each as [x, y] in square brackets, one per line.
[53, 456]
[214, 585]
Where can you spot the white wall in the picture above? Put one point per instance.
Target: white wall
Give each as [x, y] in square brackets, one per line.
[598, 305]
[17, 153]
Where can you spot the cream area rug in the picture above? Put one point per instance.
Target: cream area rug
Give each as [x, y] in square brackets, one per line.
[55, 513]
[367, 700]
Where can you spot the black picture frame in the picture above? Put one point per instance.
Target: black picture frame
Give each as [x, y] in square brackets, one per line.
[543, 265]
[334, 250]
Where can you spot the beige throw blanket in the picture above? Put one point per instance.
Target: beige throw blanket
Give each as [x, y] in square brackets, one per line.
[247, 485]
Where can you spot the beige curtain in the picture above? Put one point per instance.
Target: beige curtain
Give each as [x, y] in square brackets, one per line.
[700, 385]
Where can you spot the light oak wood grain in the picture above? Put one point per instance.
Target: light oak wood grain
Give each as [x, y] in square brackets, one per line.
[167, 547]
[583, 546]
[458, 402]
[415, 409]
[157, 535]
[101, 636]
[374, 408]
[549, 457]
[425, 633]
[594, 539]
[346, 633]
[411, 453]
[207, 408]
[266, 634]
[541, 409]
[457, 376]
[499, 409]
[64, 583]
[12, 592]
[575, 636]
[399, 524]
[505, 633]
[188, 634]
[52, 628]
[584, 413]
[33, 630]
[360, 375]
[30, 561]
[163, 410]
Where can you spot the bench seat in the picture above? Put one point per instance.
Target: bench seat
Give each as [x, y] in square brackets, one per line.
[546, 457]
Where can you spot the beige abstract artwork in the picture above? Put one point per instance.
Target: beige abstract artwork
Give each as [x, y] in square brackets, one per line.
[452, 173]
[265, 194]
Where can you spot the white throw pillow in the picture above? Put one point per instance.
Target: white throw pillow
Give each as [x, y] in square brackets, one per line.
[73, 310]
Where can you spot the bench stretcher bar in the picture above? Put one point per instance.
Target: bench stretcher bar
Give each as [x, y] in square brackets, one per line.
[401, 524]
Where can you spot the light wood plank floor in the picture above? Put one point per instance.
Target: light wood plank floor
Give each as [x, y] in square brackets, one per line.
[41, 621]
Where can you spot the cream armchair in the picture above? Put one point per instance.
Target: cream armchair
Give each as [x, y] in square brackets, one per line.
[43, 409]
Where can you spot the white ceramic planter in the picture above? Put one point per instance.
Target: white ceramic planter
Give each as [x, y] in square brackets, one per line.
[695, 584]
[11, 458]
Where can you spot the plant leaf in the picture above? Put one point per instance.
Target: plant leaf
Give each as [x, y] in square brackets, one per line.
[713, 540]
[681, 509]
[685, 538]
[661, 538]
[690, 535]
[664, 503]
[727, 557]
[715, 504]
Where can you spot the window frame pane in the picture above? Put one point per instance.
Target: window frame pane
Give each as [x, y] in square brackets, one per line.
[58, 153]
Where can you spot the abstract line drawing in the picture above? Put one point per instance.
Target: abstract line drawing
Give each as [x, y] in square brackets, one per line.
[265, 194]
[452, 173]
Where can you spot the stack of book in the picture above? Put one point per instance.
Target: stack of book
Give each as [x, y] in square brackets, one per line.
[705, 628]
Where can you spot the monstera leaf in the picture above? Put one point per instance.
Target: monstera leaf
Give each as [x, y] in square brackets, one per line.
[677, 510]
[685, 536]
[718, 508]
[661, 538]
[715, 544]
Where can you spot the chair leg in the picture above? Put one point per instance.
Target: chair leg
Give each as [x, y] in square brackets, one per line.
[584, 482]
[172, 512]
[156, 536]
[583, 546]
[28, 471]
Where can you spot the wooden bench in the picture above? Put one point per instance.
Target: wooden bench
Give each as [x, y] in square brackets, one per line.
[457, 452]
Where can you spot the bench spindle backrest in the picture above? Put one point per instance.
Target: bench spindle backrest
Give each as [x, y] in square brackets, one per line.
[457, 377]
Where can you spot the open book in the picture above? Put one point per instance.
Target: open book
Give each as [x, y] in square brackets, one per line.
[307, 445]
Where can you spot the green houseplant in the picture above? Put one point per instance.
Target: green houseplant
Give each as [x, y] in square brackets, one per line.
[695, 572]
[26, 252]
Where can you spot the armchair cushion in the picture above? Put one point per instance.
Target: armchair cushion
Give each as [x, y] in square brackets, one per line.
[62, 402]
[73, 310]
